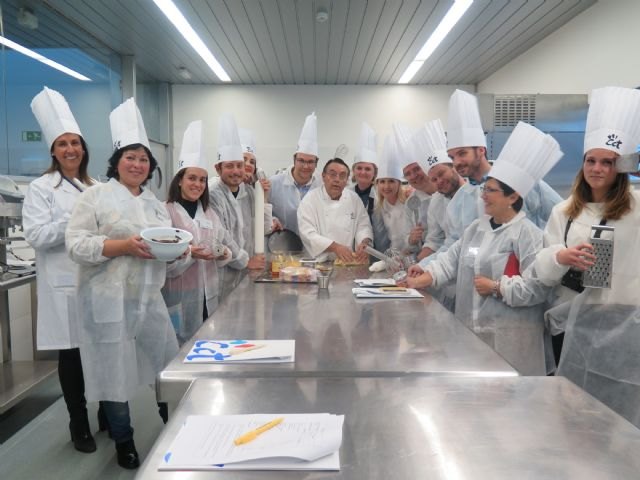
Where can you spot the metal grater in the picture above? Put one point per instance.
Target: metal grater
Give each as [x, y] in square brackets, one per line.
[599, 275]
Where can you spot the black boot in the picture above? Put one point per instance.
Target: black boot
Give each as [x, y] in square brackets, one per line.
[103, 422]
[163, 410]
[127, 455]
[81, 435]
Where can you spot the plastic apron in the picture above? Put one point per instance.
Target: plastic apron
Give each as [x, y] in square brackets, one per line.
[47, 208]
[391, 223]
[236, 215]
[517, 334]
[186, 289]
[127, 338]
[602, 338]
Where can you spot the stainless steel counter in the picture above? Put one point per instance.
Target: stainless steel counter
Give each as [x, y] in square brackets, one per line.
[337, 335]
[451, 428]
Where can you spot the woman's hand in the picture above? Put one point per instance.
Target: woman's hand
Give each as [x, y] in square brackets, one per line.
[276, 226]
[136, 247]
[227, 253]
[202, 253]
[257, 262]
[484, 286]
[266, 186]
[415, 271]
[578, 257]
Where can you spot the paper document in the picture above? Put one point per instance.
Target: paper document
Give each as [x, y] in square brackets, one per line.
[299, 442]
[242, 351]
[375, 282]
[386, 292]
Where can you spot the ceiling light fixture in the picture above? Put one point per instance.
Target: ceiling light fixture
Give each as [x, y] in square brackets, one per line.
[41, 58]
[452, 17]
[175, 16]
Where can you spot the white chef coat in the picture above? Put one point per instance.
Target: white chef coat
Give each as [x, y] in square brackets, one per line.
[45, 213]
[323, 221]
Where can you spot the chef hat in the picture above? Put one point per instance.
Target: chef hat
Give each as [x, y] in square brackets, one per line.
[229, 147]
[526, 158]
[431, 143]
[192, 152]
[389, 162]
[465, 127]
[368, 145]
[308, 141]
[53, 115]
[247, 141]
[127, 126]
[403, 139]
[613, 121]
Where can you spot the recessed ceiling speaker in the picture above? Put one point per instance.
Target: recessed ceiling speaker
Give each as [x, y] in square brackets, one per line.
[27, 19]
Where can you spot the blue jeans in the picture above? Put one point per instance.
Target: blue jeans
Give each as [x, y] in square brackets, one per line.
[117, 414]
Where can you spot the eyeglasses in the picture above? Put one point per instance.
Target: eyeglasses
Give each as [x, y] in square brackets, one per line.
[306, 163]
[488, 190]
[340, 176]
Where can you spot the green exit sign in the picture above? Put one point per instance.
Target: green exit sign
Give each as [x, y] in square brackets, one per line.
[31, 136]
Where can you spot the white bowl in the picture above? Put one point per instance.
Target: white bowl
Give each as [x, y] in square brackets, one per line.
[166, 252]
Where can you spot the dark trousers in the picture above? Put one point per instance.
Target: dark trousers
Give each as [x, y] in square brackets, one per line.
[117, 414]
[72, 383]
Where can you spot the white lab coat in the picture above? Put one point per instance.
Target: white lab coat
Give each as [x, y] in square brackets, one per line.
[515, 333]
[236, 215]
[45, 213]
[125, 320]
[187, 287]
[323, 221]
[467, 205]
[285, 198]
[601, 350]
[391, 227]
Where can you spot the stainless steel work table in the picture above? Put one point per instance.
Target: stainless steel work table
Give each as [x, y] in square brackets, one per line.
[431, 427]
[336, 335]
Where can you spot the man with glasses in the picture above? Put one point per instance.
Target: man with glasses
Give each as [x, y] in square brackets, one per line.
[332, 221]
[417, 205]
[467, 147]
[290, 187]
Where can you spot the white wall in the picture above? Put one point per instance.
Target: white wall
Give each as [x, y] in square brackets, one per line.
[597, 48]
[276, 113]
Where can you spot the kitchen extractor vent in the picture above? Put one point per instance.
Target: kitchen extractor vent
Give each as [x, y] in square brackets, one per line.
[511, 109]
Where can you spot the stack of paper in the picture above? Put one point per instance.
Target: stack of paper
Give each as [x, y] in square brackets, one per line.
[242, 351]
[386, 292]
[298, 442]
[375, 282]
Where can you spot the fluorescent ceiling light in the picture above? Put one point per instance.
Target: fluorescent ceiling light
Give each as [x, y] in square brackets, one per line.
[175, 16]
[454, 14]
[40, 58]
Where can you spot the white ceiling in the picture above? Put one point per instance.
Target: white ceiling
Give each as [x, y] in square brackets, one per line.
[280, 42]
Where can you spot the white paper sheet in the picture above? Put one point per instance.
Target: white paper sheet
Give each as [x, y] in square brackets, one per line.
[242, 351]
[300, 442]
[380, 293]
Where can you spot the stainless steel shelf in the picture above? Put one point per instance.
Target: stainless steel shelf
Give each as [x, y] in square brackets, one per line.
[17, 379]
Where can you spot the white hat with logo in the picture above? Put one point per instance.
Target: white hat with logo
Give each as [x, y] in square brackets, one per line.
[192, 152]
[127, 127]
[526, 158]
[53, 115]
[613, 121]
[464, 124]
[431, 142]
[247, 141]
